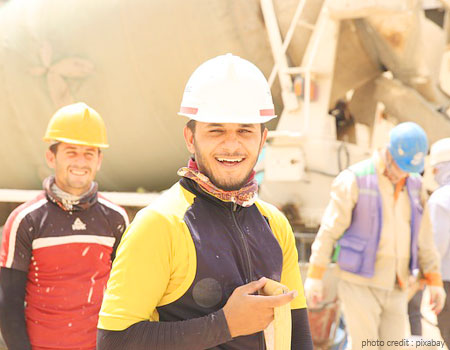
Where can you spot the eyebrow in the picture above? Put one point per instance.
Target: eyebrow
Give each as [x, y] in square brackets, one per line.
[215, 125]
[72, 148]
[247, 125]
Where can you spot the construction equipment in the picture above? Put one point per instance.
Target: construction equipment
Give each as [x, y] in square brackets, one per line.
[305, 152]
[54, 54]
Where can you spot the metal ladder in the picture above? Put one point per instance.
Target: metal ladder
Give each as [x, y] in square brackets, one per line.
[281, 66]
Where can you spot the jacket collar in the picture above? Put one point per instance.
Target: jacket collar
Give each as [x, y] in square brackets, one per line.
[67, 203]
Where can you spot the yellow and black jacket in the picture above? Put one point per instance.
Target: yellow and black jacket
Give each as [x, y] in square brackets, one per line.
[181, 259]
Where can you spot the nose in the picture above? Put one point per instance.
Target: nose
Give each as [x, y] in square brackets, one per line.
[79, 160]
[231, 142]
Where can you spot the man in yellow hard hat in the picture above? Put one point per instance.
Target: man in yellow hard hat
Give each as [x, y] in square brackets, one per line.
[189, 266]
[57, 248]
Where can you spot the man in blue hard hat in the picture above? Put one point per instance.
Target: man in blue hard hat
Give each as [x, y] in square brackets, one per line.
[381, 236]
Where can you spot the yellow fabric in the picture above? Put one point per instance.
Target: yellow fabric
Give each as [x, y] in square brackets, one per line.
[290, 275]
[143, 278]
[393, 253]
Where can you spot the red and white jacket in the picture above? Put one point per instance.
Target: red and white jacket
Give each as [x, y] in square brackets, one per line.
[67, 255]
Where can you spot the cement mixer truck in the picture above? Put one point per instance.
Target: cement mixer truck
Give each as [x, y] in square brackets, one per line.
[130, 61]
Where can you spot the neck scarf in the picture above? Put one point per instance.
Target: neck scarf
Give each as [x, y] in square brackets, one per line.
[245, 196]
[67, 201]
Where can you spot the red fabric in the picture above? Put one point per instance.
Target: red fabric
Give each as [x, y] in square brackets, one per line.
[67, 296]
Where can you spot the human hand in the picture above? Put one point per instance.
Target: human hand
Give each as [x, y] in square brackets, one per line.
[313, 291]
[247, 313]
[437, 298]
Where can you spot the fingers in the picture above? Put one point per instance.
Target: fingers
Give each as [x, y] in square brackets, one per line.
[438, 304]
[275, 300]
[252, 287]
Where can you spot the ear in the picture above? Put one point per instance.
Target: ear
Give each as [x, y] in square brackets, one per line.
[263, 139]
[100, 160]
[50, 158]
[189, 139]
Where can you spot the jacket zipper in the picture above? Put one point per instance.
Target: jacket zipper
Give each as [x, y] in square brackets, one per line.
[249, 276]
[261, 340]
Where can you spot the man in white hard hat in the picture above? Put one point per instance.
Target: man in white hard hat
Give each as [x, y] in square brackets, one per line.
[57, 248]
[439, 205]
[381, 236]
[190, 266]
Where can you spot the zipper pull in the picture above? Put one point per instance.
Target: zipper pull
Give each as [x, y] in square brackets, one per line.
[234, 206]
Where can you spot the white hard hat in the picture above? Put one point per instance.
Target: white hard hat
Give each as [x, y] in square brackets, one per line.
[227, 89]
[440, 151]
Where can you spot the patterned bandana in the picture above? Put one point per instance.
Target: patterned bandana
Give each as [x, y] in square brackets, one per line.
[67, 201]
[245, 196]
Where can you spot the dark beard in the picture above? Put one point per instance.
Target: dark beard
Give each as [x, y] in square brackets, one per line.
[225, 187]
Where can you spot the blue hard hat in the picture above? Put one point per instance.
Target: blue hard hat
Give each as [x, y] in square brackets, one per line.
[408, 145]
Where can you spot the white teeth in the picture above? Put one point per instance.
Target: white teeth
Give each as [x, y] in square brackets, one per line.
[77, 172]
[229, 160]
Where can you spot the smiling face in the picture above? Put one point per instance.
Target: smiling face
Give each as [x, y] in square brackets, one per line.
[75, 166]
[227, 152]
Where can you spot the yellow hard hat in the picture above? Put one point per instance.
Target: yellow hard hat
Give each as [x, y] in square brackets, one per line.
[78, 124]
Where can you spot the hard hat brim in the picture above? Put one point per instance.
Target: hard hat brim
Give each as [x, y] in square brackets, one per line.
[242, 120]
[76, 142]
[411, 168]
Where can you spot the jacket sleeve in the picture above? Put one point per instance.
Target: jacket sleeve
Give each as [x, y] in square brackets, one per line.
[194, 334]
[301, 334]
[290, 274]
[17, 238]
[335, 220]
[133, 293]
[12, 314]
